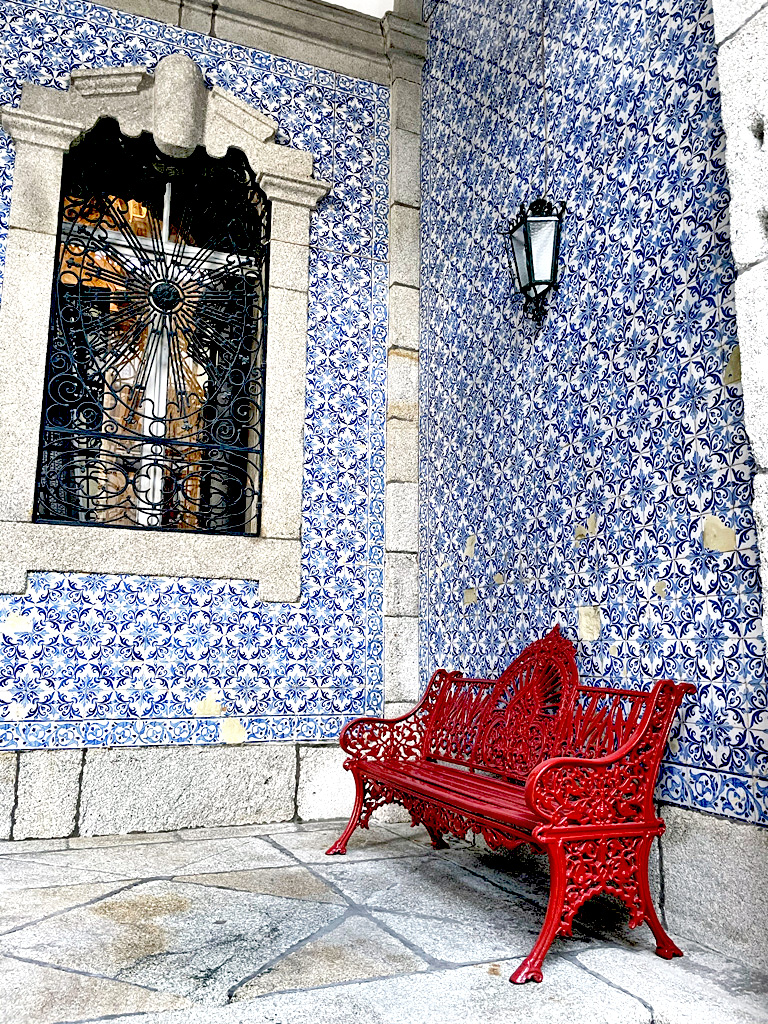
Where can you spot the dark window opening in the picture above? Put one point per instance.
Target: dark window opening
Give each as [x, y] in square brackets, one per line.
[154, 398]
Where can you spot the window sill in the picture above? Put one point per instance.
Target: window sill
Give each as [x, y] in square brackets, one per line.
[34, 547]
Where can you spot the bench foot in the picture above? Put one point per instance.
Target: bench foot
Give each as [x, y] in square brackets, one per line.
[669, 951]
[340, 846]
[525, 973]
[438, 843]
[665, 947]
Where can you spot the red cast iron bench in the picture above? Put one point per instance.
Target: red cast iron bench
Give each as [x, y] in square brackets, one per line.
[531, 757]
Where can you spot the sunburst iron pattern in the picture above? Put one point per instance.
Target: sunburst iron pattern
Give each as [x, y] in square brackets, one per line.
[154, 396]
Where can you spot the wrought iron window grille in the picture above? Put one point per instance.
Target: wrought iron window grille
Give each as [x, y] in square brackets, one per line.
[154, 400]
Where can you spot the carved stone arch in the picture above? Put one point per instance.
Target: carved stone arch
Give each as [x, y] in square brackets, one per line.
[181, 113]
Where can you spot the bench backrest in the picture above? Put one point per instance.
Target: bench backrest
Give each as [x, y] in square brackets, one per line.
[506, 726]
[600, 720]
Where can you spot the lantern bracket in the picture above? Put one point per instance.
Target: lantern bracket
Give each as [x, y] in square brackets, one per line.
[532, 243]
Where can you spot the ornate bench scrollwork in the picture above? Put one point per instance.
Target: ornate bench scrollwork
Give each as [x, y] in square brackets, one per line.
[531, 757]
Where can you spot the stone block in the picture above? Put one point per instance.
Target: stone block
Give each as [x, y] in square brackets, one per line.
[405, 37]
[743, 76]
[284, 414]
[408, 9]
[36, 184]
[166, 11]
[344, 41]
[289, 222]
[405, 66]
[404, 246]
[24, 320]
[401, 659]
[390, 814]
[325, 789]
[405, 106]
[730, 15]
[180, 101]
[196, 16]
[401, 524]
[401, 584]
[156, 789]
[8, 762]
[289, 265]
[13, 577]
[47, 794]
[715, 889]
[402, 452]
[394, 709]
[752, 320]
[402, 385]
[654, 874]
[405, 181]
[276, 564]
[404, 317]
[760, 509]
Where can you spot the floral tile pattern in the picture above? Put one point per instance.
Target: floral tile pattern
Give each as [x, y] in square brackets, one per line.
[585, 455]
[113, 660]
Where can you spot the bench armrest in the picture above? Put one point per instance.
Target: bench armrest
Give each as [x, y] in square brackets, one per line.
[376, 739]
[401, 738]
[613, 789]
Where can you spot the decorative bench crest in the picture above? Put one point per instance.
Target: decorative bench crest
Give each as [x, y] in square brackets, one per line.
[531, 757]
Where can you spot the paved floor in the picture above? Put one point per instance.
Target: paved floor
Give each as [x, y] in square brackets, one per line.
[255, 924]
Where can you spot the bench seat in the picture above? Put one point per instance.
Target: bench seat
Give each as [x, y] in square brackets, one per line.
[496, 800]
[531, 757]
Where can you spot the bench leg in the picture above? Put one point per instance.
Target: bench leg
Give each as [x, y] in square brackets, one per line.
[340, 846]
[665, 947]
[438, 843]
[530, 968]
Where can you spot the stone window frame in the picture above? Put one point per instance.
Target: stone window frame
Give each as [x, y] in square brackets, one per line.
[181, 113]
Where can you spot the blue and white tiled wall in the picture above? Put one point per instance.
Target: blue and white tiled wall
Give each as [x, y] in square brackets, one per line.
[617, 407]
[96, 660]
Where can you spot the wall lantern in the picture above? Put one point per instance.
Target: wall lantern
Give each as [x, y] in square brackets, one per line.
[533, 239]
[533, 249]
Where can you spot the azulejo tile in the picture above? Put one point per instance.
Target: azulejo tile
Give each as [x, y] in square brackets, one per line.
[616, 407]
[109, 660]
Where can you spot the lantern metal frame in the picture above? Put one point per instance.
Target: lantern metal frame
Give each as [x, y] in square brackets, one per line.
[534, 284]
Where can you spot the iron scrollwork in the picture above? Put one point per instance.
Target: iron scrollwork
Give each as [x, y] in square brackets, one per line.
[153, 409]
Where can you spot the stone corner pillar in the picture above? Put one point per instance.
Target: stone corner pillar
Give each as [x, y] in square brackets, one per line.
[405, 39]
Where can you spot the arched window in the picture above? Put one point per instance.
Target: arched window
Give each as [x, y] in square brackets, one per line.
[163, 421]
[153, 406]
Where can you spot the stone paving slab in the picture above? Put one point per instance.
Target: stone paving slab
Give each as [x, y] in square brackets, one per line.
[293, 882]
[33, 994]
[25, 906]
[701, 988]
[464, 996]
[429, 884]
[236, 926]
[21, 873]
[174, 937]
[368, 844]
[353, 949]
[153, 859]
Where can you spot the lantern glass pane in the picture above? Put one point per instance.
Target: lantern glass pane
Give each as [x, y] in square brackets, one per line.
[542, 247]
[518, 251]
